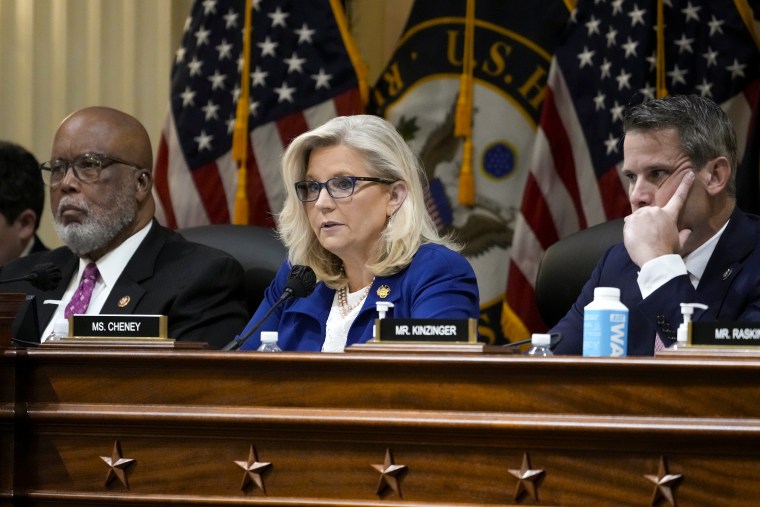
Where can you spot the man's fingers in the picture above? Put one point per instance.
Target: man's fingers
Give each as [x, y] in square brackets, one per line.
[676, 202]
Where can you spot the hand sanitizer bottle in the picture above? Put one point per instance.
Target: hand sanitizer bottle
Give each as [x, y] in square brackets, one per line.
[682, 335]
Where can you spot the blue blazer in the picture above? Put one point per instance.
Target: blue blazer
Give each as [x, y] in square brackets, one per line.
[439, 283]
[730, 287]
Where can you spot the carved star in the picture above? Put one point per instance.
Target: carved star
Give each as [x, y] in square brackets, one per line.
[529, 479]
[117, 465]
[254, 470]
[390, 474]
[665, 484]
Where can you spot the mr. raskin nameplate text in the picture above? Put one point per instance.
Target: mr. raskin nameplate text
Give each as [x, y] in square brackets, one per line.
[724, 334]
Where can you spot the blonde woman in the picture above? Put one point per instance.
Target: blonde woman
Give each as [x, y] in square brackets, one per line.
[355, 213]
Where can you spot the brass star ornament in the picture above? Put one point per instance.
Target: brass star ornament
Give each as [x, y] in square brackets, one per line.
[117, 465]
[665, 484]
[254, 470]
[390, 474]
[529, 480]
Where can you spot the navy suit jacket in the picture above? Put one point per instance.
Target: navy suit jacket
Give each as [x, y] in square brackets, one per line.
[439, 283]
[199, 289]
[730, 287]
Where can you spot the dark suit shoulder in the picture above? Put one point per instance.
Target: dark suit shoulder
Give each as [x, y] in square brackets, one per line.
[24, 265]
[177, 247]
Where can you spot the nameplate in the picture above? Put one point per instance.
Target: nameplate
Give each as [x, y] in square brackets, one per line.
[426, 330]
[724, 334]
[118, 326]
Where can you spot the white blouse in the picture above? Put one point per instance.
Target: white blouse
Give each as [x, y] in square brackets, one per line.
[337, 325]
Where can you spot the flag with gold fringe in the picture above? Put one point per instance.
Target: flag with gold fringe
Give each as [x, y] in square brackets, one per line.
[616, 54]
[302, 69]
[464, 87]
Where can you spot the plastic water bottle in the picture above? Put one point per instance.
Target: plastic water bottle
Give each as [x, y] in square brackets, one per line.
[540, 345]
[60, 330]
[269, 342]
[605, 324]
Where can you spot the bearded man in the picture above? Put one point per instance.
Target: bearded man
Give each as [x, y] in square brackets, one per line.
[115, 252]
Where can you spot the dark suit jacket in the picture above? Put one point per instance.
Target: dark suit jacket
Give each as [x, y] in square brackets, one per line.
[199, 289]
[730, 287]
[38, 246]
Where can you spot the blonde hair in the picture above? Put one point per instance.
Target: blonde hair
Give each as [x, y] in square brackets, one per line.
[386, 156]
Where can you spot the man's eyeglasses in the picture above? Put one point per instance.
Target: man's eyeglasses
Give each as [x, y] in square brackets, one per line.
[87, 168]
[339, 187]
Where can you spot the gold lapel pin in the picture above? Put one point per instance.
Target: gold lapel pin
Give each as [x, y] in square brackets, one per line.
[383, 291]
[124, 301]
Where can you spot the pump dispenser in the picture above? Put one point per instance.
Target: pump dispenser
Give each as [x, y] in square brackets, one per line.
[382, 308]
[687, 310]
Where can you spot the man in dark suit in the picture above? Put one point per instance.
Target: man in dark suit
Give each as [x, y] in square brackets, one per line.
[22, 198]
[117, 258]
[685, 240]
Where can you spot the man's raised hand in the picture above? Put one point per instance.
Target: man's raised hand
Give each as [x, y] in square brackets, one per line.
[652, 231]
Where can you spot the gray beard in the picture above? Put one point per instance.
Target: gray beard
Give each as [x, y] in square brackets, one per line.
[100, 227]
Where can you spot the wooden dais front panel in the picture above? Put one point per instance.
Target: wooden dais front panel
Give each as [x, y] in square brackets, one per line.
[164, 427]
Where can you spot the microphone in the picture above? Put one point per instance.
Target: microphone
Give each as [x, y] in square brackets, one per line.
[301, 282]
[43, 276]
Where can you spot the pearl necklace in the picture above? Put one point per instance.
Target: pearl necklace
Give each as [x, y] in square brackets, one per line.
[345, 308]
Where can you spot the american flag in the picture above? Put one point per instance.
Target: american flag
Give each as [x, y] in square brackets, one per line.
[607, 62]
[302, 73]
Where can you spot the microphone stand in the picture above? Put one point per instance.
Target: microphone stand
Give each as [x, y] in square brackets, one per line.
[300, 283]
[240, 340]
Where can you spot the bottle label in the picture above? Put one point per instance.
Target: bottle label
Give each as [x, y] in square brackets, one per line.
[605, 333]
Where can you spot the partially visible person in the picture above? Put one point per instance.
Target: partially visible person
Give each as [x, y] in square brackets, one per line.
[22, 198]
[117, 259]
[355, 213]
[685, 240]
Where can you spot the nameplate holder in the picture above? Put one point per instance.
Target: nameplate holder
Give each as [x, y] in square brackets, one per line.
[118, 326]
[718, 334]
[426, 331]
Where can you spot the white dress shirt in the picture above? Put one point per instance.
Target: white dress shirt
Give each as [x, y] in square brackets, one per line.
[659, 271]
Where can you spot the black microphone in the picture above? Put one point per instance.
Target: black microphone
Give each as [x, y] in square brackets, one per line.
[43, 276]
[301, 282]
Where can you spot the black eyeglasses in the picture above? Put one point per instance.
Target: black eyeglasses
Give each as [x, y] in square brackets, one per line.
[87, 168]
[339, 187]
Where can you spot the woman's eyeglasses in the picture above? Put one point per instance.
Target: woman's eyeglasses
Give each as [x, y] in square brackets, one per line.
[339, 187]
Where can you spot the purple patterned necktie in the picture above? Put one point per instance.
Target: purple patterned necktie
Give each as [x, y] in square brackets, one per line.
[658, 343]
[81, 298]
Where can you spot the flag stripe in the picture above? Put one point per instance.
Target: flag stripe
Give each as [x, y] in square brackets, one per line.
[165, 210]
[561, 149]
[268, 149]
[211, 192]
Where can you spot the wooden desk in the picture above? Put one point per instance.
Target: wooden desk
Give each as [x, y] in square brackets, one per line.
[462, 428]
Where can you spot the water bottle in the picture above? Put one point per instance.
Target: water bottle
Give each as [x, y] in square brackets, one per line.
[540, 345]
[269, 342]
[60, 330]
[605, 324]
